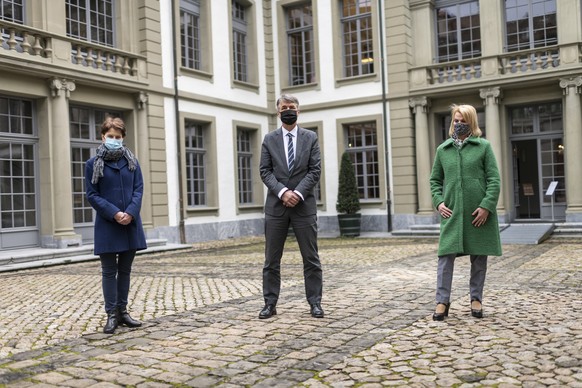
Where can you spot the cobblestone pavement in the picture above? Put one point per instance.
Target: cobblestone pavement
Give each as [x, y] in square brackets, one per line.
[200, 308]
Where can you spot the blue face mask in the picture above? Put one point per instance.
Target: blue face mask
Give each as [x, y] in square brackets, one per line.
[113, 144]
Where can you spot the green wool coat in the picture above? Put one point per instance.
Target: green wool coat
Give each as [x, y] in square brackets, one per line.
[465, 179]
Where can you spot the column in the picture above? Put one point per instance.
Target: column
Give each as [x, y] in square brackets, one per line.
[63, 232]
[491, 97]
[143, 156]
[573, 144]
[420, 107]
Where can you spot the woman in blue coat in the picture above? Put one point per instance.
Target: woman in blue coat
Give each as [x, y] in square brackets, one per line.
[114, 187]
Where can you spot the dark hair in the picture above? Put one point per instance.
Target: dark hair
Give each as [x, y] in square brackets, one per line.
[113, 123]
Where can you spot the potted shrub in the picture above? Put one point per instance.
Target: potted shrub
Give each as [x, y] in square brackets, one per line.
[348, 199]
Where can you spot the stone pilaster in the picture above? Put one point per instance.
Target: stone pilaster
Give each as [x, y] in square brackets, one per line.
[572, 88]
[420, 106]
[491, 97]
[143, 156]
[63, 233]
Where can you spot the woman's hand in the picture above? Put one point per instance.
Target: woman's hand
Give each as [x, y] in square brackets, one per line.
[444, 210]
[123, 218]
[481, 216]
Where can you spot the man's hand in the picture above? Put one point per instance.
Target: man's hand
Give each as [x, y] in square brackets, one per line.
[290, 199]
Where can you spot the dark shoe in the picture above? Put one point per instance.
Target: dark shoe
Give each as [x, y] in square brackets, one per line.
[268, 311]
[111, 323]
[476, 308]
[126, 319]
[316, 311]
[440, 316]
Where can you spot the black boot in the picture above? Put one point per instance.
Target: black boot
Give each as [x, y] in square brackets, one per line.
[126, 319]
[111, 323]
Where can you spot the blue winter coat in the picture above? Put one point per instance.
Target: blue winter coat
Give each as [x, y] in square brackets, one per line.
[119, 189]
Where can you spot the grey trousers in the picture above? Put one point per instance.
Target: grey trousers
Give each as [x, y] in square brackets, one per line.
[445, 277]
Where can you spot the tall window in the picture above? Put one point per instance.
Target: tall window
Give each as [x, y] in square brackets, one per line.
[245, 166]
[85, 130]
[530, 24]
[300, 42]
[90, 20]
[356, 20]
[190, 33]
[363, 149]
[239, 41]
[12, 11]
[195, 164]
[458, 31]
[17, 165]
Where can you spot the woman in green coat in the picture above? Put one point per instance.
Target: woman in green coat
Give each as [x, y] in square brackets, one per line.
[465, 185]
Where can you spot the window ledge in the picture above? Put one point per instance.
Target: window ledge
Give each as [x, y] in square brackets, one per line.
[202, 211]
[186, 71]
[252, 208]
[356, 79]
[311, 86]
[246, 85]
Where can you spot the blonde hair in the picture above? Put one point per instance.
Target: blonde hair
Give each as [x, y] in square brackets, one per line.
[469, 114]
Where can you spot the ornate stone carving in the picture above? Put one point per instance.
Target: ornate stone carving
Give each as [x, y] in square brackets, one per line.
[491, 94]
[572, 82]
[58, 85]
[142, 100]
[417, 103]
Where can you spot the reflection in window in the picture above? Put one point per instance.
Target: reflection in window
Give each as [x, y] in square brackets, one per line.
[245, 166]
[90, 20]
[195, 164]
[239, 41]
[190, 33]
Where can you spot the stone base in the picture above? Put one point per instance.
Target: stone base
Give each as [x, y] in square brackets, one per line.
[62, 242]
[573, 216]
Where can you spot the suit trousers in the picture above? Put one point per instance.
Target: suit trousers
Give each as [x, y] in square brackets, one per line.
[445, 277]
[115, 273]
[305, 229]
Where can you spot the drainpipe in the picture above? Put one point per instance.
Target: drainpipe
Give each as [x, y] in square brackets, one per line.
[181, 227]
[384, 118]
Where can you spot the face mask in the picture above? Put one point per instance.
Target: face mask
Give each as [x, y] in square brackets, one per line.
[113, 144]
[462, 129]
[289, 116]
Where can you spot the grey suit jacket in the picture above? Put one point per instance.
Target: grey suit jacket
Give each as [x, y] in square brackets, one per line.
[305, 175]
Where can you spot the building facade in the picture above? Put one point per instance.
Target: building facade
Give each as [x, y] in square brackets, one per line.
[196, 82]
[519, 63]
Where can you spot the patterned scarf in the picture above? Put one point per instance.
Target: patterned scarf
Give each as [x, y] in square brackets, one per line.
[104, 154]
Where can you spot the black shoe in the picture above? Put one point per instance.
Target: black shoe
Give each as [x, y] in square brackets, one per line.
[111, 323]
[477, 313]
[441, 316]
[268, 311]
[316, 310]
[125, 319]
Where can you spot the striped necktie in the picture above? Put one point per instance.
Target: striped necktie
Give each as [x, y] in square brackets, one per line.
[290, 152]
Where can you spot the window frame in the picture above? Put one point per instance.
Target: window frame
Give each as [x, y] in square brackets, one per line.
[251, 82]
[458, 31]
[531, 43]
[256, 184]
[87, 21]
[381, 165]
[205, 33]
[23, 10]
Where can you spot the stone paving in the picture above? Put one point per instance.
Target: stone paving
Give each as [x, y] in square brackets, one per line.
[200, 308]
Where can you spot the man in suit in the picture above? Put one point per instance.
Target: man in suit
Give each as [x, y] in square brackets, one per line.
[290, 168]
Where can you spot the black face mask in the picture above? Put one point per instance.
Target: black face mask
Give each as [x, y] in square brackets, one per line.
[289, 116]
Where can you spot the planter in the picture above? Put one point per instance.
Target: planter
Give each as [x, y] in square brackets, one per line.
[349, 224]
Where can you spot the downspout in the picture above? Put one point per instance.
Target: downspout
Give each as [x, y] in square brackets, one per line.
[181, 227]
[384, 118]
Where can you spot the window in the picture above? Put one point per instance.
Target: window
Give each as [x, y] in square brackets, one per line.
[190, 33]
[458, 31]
[363, 149]
[300, 45]
[90, 20]
[195, 164]
[530, 24]
[358, 51]
[17, 165]
[239, 41]
[85, 130]
[245, 166]
[12, 11]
